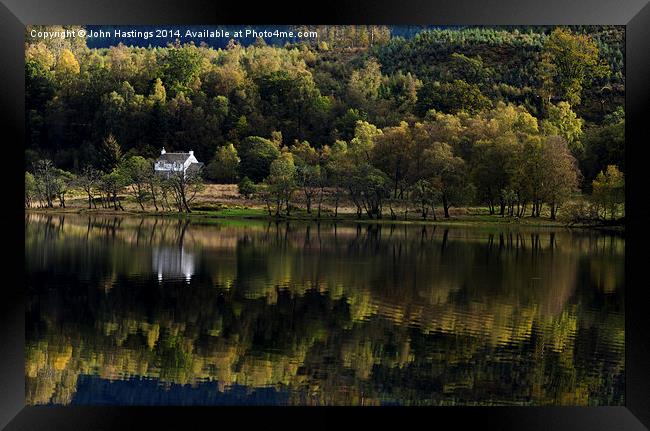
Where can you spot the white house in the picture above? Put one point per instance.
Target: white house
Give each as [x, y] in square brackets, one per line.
[169, 163]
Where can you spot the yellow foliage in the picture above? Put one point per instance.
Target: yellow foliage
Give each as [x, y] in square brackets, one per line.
[67, 63]
[152, 335]
[61, 359]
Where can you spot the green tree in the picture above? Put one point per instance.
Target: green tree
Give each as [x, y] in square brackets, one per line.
[451, 97]
[402, 89]
[365, 83]
[112, 184]
[180, 67]
[368, 188]
[530, 176]
[30, 190]
[110, 154]
[492, 169]
[346, 123]
[572, 61]
[246, 187]
[282, 182]
[392, 153]
[184, 186]
[469, 69]
[425, 193]
[308, 171]
[561, 174]
[450, 172]
[88, 180]
[604, 144]
[256, 154]
[563, 122]
[609, 192]
[361, 146]
[63, 182]
[293, 101]
[224, 166]
[45, 176]
[158, 93]
[337, 167]
[137, 171]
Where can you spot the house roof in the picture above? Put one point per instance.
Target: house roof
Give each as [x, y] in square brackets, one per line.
[194, 168]
[173, 157]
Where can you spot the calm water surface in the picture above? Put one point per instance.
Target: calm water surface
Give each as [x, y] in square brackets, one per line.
[161, 311]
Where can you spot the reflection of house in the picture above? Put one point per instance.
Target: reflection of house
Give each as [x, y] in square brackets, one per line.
[169, 163]
[173, 262]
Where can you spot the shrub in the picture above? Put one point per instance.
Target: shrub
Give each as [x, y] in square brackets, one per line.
[579, 211]
[246, 187]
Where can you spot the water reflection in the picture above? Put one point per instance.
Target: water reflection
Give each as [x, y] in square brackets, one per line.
[172, 262]
[321, 314]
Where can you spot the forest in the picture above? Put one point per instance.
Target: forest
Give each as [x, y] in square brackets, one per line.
[520, 121]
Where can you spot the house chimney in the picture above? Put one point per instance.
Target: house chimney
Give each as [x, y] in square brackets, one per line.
[191, 153]
[163, 151]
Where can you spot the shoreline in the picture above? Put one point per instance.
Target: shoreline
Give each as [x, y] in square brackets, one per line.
[253, 214]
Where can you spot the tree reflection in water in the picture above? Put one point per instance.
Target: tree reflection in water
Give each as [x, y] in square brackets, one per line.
[321, 313]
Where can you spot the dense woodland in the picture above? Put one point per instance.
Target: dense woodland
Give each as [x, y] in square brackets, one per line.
[526, 121]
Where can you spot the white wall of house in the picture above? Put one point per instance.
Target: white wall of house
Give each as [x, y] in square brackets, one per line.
[191, 159]
[161, 166]
[175, 166]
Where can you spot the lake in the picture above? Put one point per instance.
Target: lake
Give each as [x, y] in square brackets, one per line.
[162, 311]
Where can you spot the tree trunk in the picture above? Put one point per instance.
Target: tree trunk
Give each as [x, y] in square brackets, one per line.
[278, 205]
[553, 210]
[369, 212]
[320, 201]
[153, 198]
[185, 205]
[165, 202]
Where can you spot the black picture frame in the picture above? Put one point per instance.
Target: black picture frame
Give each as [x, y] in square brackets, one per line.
[634, 14]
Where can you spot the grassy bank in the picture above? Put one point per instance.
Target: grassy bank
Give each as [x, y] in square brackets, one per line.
[470, 218]
[219, 203]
